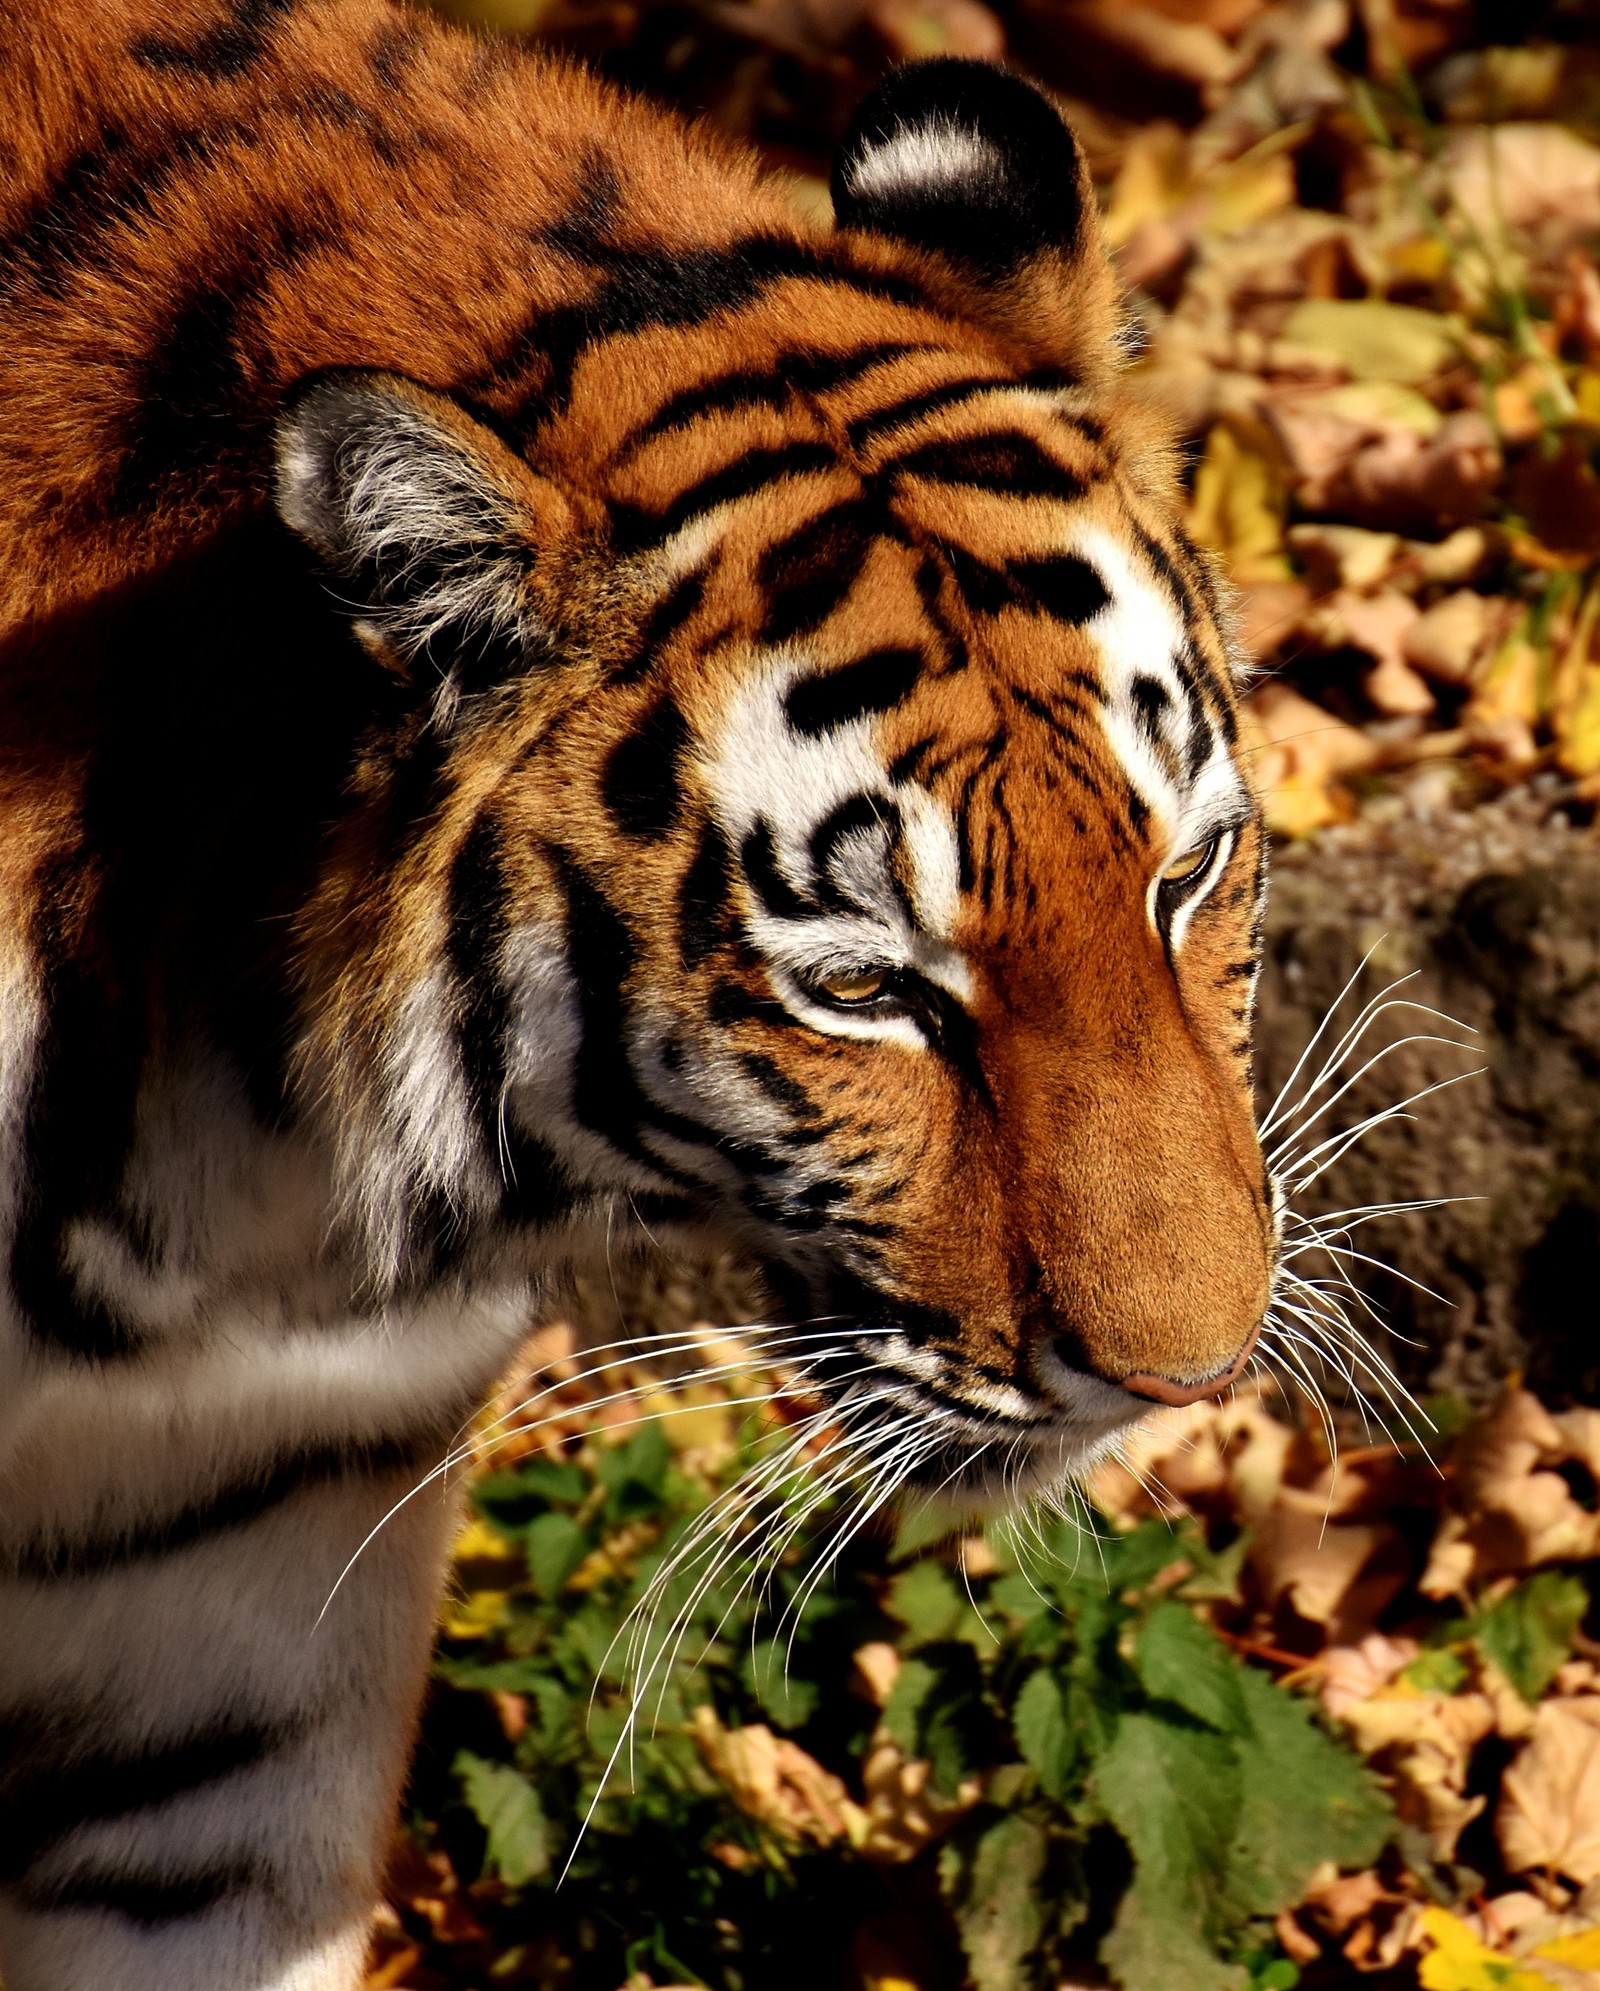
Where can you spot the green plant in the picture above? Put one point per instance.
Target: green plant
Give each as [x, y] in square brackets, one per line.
[1104, 1774]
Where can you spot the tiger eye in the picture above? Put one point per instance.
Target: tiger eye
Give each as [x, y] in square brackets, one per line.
[854, 988]
[1182, 868]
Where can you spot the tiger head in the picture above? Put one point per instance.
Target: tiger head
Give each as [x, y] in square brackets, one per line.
[821, 808]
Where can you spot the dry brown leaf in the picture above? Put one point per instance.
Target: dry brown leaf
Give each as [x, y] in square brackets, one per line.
[1327, 1571]
[904, 1812]
[1447, 640]
[776, 1781]
[1577, 308]
[1350, 1674]
[1267, 615]
[1513, 1510]
[1549, 1813]
[1388, 473]
[1298, 754]
[1345, 556]
[1523, 176]
[913, 30]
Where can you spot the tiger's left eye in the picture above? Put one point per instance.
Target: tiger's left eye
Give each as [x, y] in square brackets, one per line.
[854, 988]
[1182, 869]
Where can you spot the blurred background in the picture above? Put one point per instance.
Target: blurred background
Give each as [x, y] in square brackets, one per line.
[1250, 1717]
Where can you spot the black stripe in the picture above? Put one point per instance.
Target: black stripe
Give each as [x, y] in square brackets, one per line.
[650, 288]
[900, 414]
[535, 1188]
[634, 531]
[198, 411]
[50, 1785]
[807, 575]
[642, 783]
[235, 1505]
[706, 919]
[804, 372]
[1063, 585]
[223, 52]
[1004, 461]
[758, 856]
[852, 817]
[668, 616]
[149, 1899]
[874, 683]
[606, 1094]
[102, 189]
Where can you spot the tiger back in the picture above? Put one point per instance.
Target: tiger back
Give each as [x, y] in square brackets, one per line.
[544, 700]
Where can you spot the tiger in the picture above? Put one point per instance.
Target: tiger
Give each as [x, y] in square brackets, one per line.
[547, 696]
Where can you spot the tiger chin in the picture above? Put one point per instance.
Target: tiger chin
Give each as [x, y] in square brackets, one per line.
[543, 698]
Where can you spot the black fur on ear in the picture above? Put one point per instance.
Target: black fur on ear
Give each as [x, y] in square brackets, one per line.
[966, 159]
[429, 523]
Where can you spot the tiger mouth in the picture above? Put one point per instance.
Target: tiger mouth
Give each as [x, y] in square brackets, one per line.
[946, 1429]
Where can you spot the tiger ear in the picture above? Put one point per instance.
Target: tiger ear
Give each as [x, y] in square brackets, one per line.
[965, 160]
[430, 524]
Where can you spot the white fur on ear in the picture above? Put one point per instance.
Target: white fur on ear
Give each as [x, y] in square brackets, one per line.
[939, 156]
[400, 507]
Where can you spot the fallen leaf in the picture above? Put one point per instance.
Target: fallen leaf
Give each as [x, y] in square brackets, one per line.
[1447, 640]
[1375, 340]
[904, 1813]
[776, 1781]
[1513, 1507]
[1523, 176]
[913, 30]
[1298, 753]
[1459, 1962]
[1345, 556]
[1549, 1813]
[1238, 504]
[1388, 473]
[1350, 1674]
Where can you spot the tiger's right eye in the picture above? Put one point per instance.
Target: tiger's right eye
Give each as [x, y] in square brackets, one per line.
[851, 989]
[1182, 869]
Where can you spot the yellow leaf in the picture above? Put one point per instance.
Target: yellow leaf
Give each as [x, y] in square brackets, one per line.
[1238, 507]
[1249, 190]
[1459, 1962]
[475, 1615]
[1154, 179]
[478, 1542]
[1375, 340]
[1579, 1952]
[1587, 395]
[1575, 696]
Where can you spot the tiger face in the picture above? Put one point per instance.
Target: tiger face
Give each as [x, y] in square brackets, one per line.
[845, 840]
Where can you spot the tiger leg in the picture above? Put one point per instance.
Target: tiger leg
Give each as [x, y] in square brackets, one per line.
[197, 1777]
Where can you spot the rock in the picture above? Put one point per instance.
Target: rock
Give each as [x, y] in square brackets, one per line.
[1496, 916]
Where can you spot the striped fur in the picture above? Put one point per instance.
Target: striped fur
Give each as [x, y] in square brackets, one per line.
[504, 637]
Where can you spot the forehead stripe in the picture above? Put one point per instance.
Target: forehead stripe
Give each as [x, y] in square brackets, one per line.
[635, 530]
[873, 683]
[1005, 461]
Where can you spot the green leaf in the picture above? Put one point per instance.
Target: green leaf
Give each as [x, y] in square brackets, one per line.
[1303, 1798]
[787, 1699]
[1441, 1671]
[1173, 1793]
[635, 1472]
[507, 1807]
[935, 1710]
[1528, 1634]
[992, 1885]
[1181, 1660]
[1039, 1722]
[926, 1601]
[554, 1546]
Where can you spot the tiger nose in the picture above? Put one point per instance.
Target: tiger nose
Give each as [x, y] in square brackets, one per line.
[1167, 1390]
